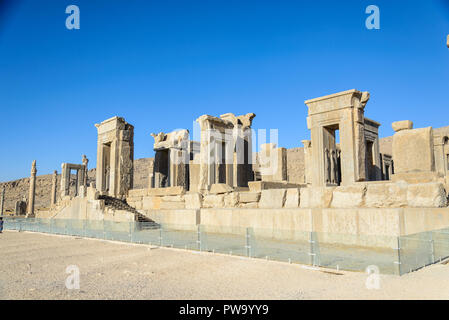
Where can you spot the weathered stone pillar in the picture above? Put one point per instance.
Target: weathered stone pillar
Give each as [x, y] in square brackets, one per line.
[85, 162]
[204, 154]
[30, 211]
[65, 180]
[307, 161]
[2, 201]
[54, 188]
[273, 162]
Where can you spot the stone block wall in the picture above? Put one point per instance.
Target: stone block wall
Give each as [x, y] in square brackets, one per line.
[360, 195]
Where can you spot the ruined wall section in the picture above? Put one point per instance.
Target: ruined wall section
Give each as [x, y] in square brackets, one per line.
[295, 165]
[16, 189]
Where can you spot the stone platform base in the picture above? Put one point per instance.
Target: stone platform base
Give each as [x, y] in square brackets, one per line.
[373, 227]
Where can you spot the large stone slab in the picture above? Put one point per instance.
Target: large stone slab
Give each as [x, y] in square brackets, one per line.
[137, 192]
[416, 177]
[193, 200]
[176, 198]
[292, 198]
[172, 205]
[166, 191]
[247, 197]
[413, 151]
[133, 199]
[386, 195]
[213, 201]
[402, 125]
[316, 197]
[257, 186]
[426, 195]
[219, 188]
[151, 203]
[231, 200]
[172, 202]
[249, 205]
[349, 196]
[274, 198]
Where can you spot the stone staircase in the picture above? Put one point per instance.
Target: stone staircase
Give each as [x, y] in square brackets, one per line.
[118, 204]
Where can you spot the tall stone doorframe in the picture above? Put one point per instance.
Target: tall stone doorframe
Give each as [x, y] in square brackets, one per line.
[387, 166]
[80, 172]
[171, 160]
[441, 150]
[225, 150]
[373, 157]
[115, 156]
[343, 111]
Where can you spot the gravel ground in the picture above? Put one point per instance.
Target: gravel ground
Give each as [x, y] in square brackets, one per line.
[33, 266]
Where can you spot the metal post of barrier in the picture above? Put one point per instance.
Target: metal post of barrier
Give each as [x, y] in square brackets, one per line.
[248, 243]
[312, 253]
[432, 247]
[398, 263]
[160, 236]
[198, 237]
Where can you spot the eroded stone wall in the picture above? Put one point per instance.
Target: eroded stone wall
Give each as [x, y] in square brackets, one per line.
[17, 189]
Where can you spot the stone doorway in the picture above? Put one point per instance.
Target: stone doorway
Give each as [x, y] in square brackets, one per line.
[162, 168]
[332, 164]
[106, 167]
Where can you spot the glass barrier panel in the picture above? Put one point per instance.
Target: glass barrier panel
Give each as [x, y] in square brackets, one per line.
[94, 229]
[58, 226]
[391, 255]
[146, 233]
[282, 245]
[440, 244]
[226, 240]
[180, 236]
[415, 251]
[117, 231]
[357, 252]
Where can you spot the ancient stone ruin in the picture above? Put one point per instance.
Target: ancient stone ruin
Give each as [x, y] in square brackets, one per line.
[349, 182]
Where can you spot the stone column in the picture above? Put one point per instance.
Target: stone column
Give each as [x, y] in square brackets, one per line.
[65, 180]
[85, 162]
[172, 167]
[204, 154]
[2, 201]
[32, 191]
[307, 161]
[54, 188]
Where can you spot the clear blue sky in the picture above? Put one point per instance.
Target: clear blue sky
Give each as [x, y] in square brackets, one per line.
[161, 64]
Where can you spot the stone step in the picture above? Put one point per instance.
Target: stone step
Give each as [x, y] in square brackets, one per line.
[118, 204]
